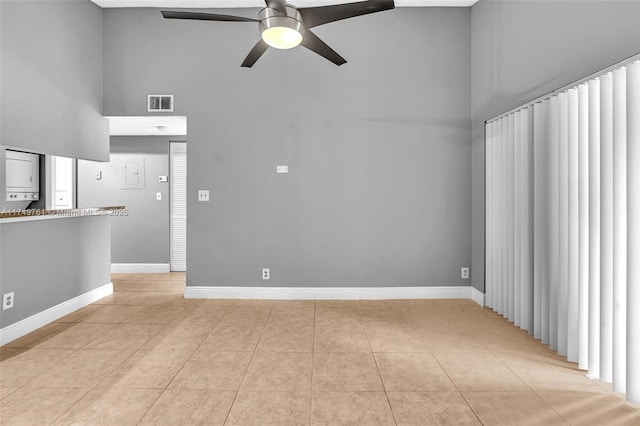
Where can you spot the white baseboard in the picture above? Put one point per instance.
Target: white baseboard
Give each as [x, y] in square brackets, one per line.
[477, 296]
[327, 293]
[34, 322]
[130, 268]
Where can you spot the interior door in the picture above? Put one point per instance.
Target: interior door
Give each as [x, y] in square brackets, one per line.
[63, 182]
[178, 205]
[19, 174]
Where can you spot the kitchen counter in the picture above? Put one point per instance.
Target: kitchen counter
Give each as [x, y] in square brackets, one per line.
[9, 216]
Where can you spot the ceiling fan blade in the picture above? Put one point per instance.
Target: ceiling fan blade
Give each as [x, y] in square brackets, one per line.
[313, 43]
[198, 16]
[314, 16]
[255, 54]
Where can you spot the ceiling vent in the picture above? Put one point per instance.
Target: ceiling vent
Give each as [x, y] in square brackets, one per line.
[160, 103]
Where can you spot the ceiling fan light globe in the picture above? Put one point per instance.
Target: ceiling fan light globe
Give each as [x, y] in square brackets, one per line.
[282, 37]
[281, 31]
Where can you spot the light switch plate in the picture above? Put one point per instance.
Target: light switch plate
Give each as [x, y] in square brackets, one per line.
[282, 169]
[159, 196]
[203, 195]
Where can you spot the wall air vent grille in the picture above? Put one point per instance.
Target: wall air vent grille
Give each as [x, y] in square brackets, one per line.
[160, 103]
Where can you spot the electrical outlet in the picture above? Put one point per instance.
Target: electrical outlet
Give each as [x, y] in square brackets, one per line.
[282, 169]
[203, 195]
[7, 301]
[266, 273]
[464, 273]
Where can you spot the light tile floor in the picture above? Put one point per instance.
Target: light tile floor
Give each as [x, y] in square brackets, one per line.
[145, 355]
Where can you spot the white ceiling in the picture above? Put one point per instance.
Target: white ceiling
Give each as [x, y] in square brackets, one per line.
[259, 3]
[157, 125]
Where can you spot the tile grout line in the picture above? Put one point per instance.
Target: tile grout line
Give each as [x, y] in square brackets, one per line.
[384, 388]
[95, 386]
[313, 359]
[33, 346]
[33, 379]
[453, 383]
[528, 385]
[72, 405]
[386, 394]
[166, 388]
[151, 405]
[255, 349]
[167, 385]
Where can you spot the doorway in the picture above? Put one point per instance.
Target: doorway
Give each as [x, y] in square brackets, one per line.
[63, 183]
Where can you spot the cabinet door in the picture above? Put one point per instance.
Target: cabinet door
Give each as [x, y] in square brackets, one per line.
[19, 174]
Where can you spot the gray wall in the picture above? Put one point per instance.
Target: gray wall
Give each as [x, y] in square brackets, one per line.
[51, 78]
[143, 235]
[51, 85]
[379, 185]
[50, 261]
[524, 49]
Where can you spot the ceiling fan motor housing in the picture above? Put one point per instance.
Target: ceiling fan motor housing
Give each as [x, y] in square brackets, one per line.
[272, 18]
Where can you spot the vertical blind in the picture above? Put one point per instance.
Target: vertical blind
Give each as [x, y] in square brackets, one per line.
[563, 224]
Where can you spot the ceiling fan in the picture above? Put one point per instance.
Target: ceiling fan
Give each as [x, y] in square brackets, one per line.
[284, 26]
